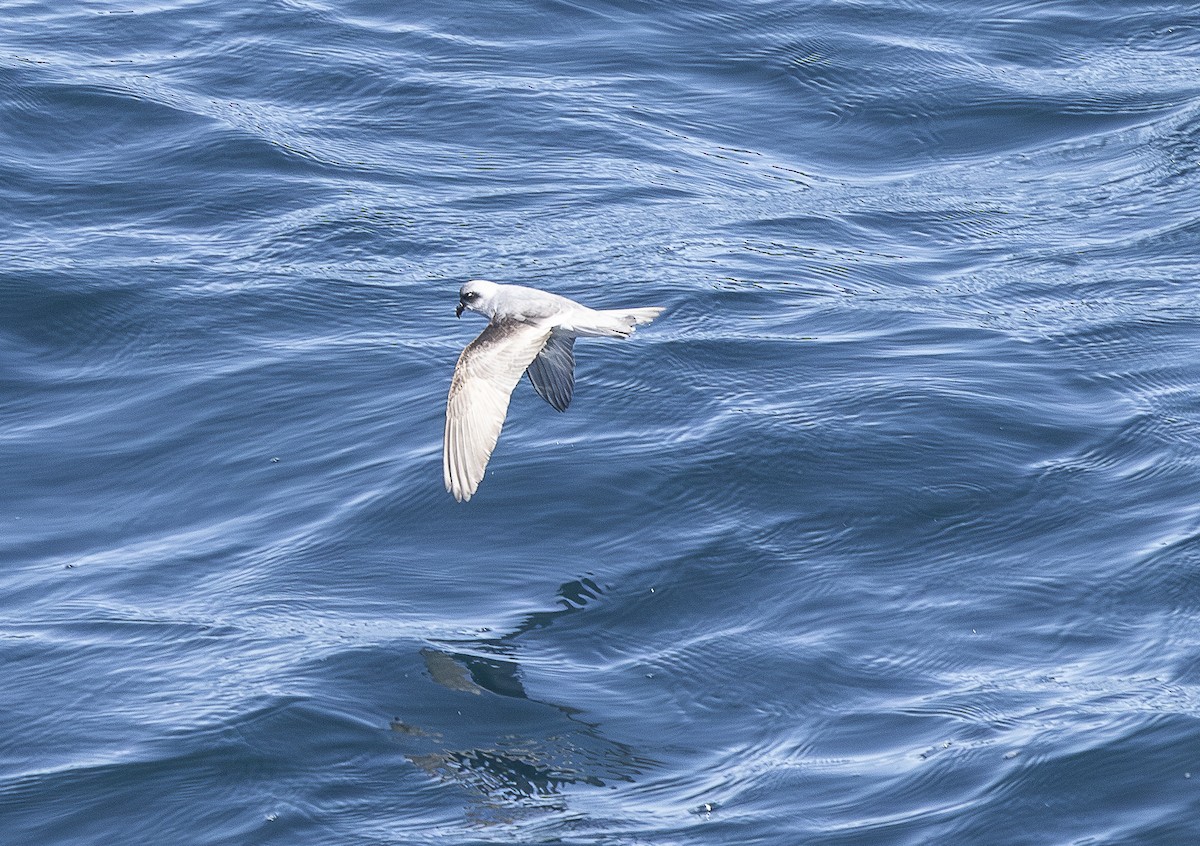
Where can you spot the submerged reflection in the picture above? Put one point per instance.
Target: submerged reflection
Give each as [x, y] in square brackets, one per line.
[497, 669]
[503, 776]
[525, 752]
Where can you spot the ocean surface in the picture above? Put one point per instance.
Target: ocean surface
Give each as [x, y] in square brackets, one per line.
[886, 532]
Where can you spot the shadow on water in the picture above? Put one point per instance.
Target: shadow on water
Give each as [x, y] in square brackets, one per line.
[506, 765]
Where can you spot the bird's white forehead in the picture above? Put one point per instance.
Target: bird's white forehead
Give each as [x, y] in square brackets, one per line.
[479, 286]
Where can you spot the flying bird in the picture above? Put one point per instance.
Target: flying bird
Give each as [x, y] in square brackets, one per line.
[528, 331]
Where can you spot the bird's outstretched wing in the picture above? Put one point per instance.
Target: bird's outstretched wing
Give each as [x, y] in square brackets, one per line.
[487, 371]
[553, 371]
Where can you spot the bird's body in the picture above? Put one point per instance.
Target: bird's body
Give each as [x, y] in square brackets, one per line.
[528, 331]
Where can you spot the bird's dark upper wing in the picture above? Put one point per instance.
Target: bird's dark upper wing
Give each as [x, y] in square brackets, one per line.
[553, 371]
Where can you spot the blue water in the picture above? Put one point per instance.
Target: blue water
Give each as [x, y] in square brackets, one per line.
[886, 532]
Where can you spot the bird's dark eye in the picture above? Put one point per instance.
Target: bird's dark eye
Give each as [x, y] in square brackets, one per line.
[470, 295]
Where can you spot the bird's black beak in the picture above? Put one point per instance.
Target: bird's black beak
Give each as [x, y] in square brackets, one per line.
[458, 310]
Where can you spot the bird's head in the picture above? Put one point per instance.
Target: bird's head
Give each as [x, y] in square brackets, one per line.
[477, 295]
